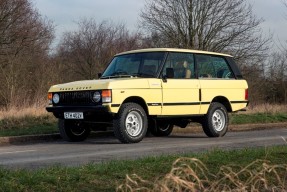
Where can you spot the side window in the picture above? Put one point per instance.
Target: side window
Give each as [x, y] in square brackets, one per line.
[182, 65]
[213, 67]
[150, 63]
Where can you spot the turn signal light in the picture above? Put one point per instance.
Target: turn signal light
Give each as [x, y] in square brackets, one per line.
[50, 96]
[106, 96]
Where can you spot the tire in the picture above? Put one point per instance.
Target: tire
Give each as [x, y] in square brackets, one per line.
[215, 122]
[74, 131]
[130, 125]
[161, 129]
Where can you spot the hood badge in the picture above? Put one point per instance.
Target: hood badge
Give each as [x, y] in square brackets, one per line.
[77, 88]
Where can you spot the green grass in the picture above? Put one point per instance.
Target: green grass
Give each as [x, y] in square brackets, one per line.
[48, 124]
[107, 176]
[28, 126]
[258, 118]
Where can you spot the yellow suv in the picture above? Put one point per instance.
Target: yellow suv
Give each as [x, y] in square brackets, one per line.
[152, 90]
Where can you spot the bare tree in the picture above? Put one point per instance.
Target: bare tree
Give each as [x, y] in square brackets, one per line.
[24, 44]
[227, 26]
[21, 26]
[285, 4]
[86, 51]
[276, 75]
[213, 25]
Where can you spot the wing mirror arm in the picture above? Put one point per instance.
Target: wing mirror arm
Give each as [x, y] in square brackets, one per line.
[164, 78]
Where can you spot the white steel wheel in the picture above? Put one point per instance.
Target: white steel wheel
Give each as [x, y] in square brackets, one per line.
[160, 128]
[74, 131]
[130, 124]
[78, 129]
[218, 120]
[134, 123]
[215, 122]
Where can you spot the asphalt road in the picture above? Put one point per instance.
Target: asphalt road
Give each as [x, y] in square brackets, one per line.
[101, 149]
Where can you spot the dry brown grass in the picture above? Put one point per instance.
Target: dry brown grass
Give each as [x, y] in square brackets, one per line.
[190, 174]
[14, 112]
[267, 108]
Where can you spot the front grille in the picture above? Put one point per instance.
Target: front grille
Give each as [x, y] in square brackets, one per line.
[75, 98]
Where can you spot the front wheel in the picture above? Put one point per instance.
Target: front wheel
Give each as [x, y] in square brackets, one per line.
[161, 129]
[130, 125]
[72, 130]
[215, 123]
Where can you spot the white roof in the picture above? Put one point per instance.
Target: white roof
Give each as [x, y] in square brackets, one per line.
[173, 50]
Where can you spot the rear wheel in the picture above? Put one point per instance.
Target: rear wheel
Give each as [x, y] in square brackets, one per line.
[130, 125]
[72, 130]
[215, 123]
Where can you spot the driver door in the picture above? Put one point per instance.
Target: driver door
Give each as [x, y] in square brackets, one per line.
[180, 93]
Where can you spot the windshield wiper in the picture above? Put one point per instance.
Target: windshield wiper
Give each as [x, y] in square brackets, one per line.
[142, 75]
[115, 76]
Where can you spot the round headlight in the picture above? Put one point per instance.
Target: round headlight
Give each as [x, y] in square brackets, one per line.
[96, 96]
[56, 98]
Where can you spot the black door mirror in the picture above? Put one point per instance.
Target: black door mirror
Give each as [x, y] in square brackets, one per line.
[99, 75]
[169, 73]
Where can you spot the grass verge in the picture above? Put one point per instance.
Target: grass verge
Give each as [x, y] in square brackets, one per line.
[253, 118]
[28, 125]
[150, 172]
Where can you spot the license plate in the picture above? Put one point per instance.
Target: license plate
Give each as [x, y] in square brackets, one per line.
[73, 115]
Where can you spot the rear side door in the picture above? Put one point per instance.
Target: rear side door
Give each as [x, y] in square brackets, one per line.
[180, 94]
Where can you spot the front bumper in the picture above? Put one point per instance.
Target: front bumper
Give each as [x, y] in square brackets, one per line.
[91, 113]
[61, 109]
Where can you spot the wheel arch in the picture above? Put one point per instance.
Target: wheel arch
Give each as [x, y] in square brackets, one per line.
[138, 100]
[224, 101]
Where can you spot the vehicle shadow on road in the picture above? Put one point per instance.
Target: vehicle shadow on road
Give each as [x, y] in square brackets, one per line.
[188, 136]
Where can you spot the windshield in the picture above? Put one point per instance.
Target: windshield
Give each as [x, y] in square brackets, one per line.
[134, 65]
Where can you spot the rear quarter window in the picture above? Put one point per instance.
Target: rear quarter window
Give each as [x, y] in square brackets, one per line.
[210, 66]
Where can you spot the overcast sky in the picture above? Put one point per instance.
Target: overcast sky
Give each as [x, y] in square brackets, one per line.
[64, 13]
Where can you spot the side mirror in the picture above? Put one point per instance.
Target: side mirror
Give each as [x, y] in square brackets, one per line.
[99, 75]
[169, 73]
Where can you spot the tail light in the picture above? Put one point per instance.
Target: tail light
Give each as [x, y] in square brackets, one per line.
[246, 94]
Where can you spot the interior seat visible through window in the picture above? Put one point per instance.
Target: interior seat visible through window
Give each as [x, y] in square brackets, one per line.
[149, 69]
